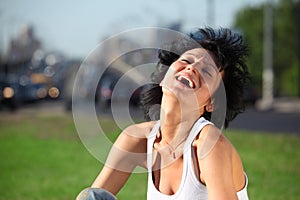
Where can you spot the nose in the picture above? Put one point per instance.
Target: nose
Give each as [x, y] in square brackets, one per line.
[192, 68]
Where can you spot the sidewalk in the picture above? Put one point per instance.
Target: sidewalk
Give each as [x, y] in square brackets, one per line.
[284, 105]
[287, 105]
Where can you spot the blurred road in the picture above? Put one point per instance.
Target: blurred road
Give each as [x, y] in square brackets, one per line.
[271, 121]
[284, 118]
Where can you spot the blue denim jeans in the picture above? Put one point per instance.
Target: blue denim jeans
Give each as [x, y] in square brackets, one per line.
[95, 194]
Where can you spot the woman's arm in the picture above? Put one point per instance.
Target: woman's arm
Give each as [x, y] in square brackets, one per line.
[129, 151]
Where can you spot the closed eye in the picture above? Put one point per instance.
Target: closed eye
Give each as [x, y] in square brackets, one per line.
[206, 71]
[185, 60]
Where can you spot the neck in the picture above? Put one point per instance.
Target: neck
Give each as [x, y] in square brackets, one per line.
[175, 123]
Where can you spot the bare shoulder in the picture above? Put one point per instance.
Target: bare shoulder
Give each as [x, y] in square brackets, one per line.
[134, 137]
[140, 130]
[218, 158]
[212, 139]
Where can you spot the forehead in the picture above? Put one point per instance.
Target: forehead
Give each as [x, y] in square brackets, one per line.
[198, 52]
[203, 54]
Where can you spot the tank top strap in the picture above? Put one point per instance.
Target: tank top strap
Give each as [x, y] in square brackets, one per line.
[150, 141]
[197, 127]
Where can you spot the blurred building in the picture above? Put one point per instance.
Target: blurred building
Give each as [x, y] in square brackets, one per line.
[22, 48]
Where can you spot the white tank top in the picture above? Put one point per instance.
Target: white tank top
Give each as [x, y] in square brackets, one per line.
[190, 187]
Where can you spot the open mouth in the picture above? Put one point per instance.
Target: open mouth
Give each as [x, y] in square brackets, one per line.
[186, 81]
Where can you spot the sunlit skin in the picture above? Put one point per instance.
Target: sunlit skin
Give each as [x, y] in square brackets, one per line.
[187, 89]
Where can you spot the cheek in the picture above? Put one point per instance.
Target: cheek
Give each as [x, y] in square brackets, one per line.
[213, 85]
[206, 91]
[176, 66]
[203, 96]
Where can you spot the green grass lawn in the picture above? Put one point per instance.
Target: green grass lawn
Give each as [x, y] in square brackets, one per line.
[41, 157]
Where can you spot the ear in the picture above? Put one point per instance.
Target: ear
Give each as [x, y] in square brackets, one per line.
[209, 107]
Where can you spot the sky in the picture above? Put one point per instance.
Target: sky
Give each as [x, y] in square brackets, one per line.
[76, 27]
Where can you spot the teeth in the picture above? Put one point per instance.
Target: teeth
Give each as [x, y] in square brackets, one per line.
[186, 81]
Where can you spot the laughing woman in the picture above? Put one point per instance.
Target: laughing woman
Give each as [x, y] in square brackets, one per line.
[198, 91]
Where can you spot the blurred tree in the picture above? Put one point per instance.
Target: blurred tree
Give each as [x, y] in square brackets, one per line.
[286, 64]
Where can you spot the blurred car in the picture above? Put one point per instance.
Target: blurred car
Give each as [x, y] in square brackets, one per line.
[32, 92]
[16, 90]
[9, 90]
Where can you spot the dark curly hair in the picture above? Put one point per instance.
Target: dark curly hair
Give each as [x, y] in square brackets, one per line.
[228, 50]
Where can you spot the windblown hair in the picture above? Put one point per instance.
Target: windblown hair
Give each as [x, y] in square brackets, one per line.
[228, 51]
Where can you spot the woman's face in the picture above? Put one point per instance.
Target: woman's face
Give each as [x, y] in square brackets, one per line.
[193, 78]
